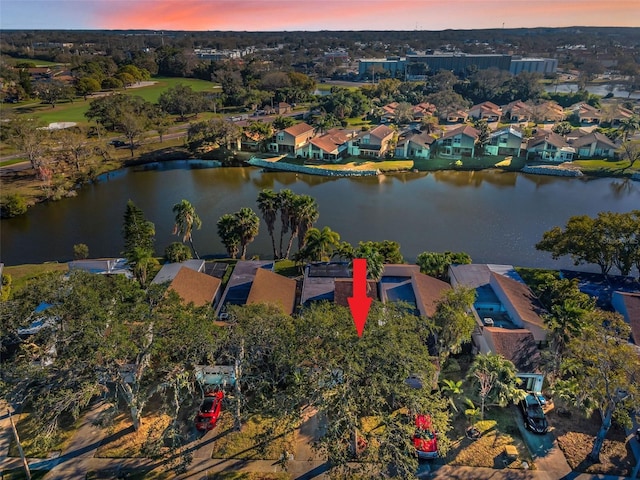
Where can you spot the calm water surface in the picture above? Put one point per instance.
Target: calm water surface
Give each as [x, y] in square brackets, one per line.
[494, 216]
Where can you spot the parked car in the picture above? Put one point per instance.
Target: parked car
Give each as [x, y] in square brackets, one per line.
[541, 398]
[534, 418]
[209, 411]
[425, 439]
[117, 143]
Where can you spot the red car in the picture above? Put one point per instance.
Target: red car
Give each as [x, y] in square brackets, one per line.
[209, 411]
[425, 439]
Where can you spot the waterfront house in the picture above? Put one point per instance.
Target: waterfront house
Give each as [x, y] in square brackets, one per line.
[547, 112]
[586, 113]
[292, 140]
[102, 266]
[169, 270]
[239, 284]
[273, 289]
[372, 143]
[508, 317]
[594, 145]
[330, 147]
[549, 147]
[506, 141]
[414, 144]
[319, 282]
[196, 287]
[459, 142]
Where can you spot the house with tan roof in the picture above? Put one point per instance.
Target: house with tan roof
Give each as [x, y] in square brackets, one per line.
[196, 287]
[620, 114]
[586, 113]
[549, 147]
[459, 142]
[548, 111]
[517, 111]
[273, 289]
[292, 140]
[488, 111]
[454, 116]
[344, 289]
[372, 143]
[594, 145]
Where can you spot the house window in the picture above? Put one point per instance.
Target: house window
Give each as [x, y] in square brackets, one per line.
[446, 142]
[503, 140]
[456, 140]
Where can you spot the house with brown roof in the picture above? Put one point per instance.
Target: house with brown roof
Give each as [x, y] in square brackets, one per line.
[548, 111]
[549, 147]
[459, 142]
[372, 143]
[594, 145]
[586, 113]
[414, 144]
[282, 107]
[274, 289]
[488, 111]
[344, 289]
[508, 316]
[240, 282]
[453, 116]
[196, 287]
[620, 114]
[628, 305]
[293, 140]
[517, 112]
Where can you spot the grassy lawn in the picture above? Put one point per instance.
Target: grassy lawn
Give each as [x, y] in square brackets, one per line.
[606, 167]
[260, 438]
[14, 161]
[576, 435]
[127, 443]
[499, 429]
[288, 268]
[27, 428]
[383, 165]
[153, 92]
[443, 163]
[22, 274]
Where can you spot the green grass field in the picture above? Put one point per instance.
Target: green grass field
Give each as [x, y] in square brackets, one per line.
[74, 111]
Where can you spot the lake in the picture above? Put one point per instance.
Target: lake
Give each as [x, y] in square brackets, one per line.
[496, 217]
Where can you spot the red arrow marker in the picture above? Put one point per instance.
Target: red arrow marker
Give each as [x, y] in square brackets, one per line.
[359, 304]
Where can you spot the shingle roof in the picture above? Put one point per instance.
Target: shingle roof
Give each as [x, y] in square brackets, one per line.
[298, 129]
[195, 287]
[269, 287]
[522, 298]
[381, 131]
[592, 137]
[632, 305]
[462, 129]
[517, 346]
[429, 291]
[550, 137]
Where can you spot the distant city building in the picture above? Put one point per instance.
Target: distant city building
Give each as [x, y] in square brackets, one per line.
[533, 65]
[415, 65]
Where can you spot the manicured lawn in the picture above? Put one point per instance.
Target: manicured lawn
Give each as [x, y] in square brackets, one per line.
[288, 268]
[443, 163]
[607, 167]
[153, 92]
[7, 163]
[22, 274]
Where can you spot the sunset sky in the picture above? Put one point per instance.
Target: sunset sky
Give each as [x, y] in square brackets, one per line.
[278, 15]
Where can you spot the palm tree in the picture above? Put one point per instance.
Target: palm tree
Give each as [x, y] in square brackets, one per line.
[229, 234]
[285, 201]
[247, 225]
[496, 381]
[142, 263]
[629, 126]
[375, 260]
[306, 214]
[449, 388]
[186, 220]
[269, 206]
[318, 242]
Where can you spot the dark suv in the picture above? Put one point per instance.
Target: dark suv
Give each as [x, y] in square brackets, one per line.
[534, 418]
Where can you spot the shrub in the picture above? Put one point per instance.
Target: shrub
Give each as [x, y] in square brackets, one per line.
[80, 251]
[177, 252]
[12, 205]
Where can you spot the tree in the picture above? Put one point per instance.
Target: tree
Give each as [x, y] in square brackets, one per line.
[186, 220]
[562, 128]
[139, 233]
[319, 243]
[12, 205]
[375, 260]
[247, 225]
[80, 251]
[85, 86]
[630, 151]
[177, 252]
[143, 264]
[280, 122]
[437, 264]
[285, 201]
[629, 126]
[269, 206]
[484, 135]
[495, 381]
[229, 234]
[28, 137]
[601, 372]
[181, 100]
[453, 320]
[53, 91]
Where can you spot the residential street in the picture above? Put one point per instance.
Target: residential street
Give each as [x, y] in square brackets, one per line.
[79, 458]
